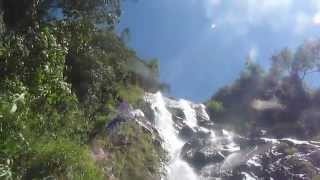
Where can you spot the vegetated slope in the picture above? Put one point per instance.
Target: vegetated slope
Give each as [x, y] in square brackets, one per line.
[63, 72]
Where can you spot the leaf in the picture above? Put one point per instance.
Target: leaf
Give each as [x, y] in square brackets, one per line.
[13, 108]
[20, 97]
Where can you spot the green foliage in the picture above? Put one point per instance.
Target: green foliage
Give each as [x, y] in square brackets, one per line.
[35, 101]
[21, 14]
[215, 106]
[131, 93]
[61, 75]
[134, 156]
[61, 159]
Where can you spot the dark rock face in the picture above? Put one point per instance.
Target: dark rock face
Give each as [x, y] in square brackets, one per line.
[202, 119]
[285, 161]
[178, 117]
[145, 107]
[200, 152]
[201, 156]
[310, 121]
[260, 159]
[177, 113]
[315, 158]
[186, 133]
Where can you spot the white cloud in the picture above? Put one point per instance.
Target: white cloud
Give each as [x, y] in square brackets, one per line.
[302, 22]
[274, 13]
[215, 2]
[271, 12]
[253, 54]
[244, 15]
[210, 7]
[315, 4]
[316, 18]
[213, 26]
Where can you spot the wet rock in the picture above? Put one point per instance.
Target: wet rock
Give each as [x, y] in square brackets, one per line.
[202, 118]
[309, 120]
[145, 107]
[211, 171]
[199, 155]
[284, 161]
[286, 149]
[305, 148]
[218, 130]
[178, 117]
[315, 158]
[202, 134]
[186, 133]
[177, 113]
[298, 167]
[245, 143]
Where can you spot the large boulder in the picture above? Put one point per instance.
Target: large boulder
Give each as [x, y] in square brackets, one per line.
[213, 171]
[286, 160]
[186, 133]
[202, 116]
[310, 122]
[315, 158]
[145, 107]
[199, 153]
[177, 114]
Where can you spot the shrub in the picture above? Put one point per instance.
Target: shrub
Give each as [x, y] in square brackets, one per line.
[133, 153]
[215, 106]
[61, 159]
[131, 93]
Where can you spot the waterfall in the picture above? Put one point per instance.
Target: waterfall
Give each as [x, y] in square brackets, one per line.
[177, 168]
[210, 152]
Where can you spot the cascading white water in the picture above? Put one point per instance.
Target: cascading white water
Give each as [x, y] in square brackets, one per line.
[223, 143]
[177, 168]
[189, 112]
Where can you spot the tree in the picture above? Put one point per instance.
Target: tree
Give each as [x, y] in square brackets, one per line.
[305, 60]
[281, 63]
[20, 14]
[62, 69]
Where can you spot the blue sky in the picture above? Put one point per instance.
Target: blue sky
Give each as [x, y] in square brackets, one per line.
[202, 44]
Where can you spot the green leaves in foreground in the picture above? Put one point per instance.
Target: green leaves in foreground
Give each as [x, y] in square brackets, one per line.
[61, 159]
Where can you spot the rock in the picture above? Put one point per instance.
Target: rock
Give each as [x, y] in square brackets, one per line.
[309, 120]
[210, 171]
[284, 161]
[202, 117]
[145, 107]
[201, 134]
[178, 115]
[244, 143]
[298, 166]
[315, 158]
[306, 148]
[186, 133]
[286, 149]
[199, 154]
[213, 172]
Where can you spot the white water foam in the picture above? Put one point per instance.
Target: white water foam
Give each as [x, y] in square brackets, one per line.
[177, 168]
